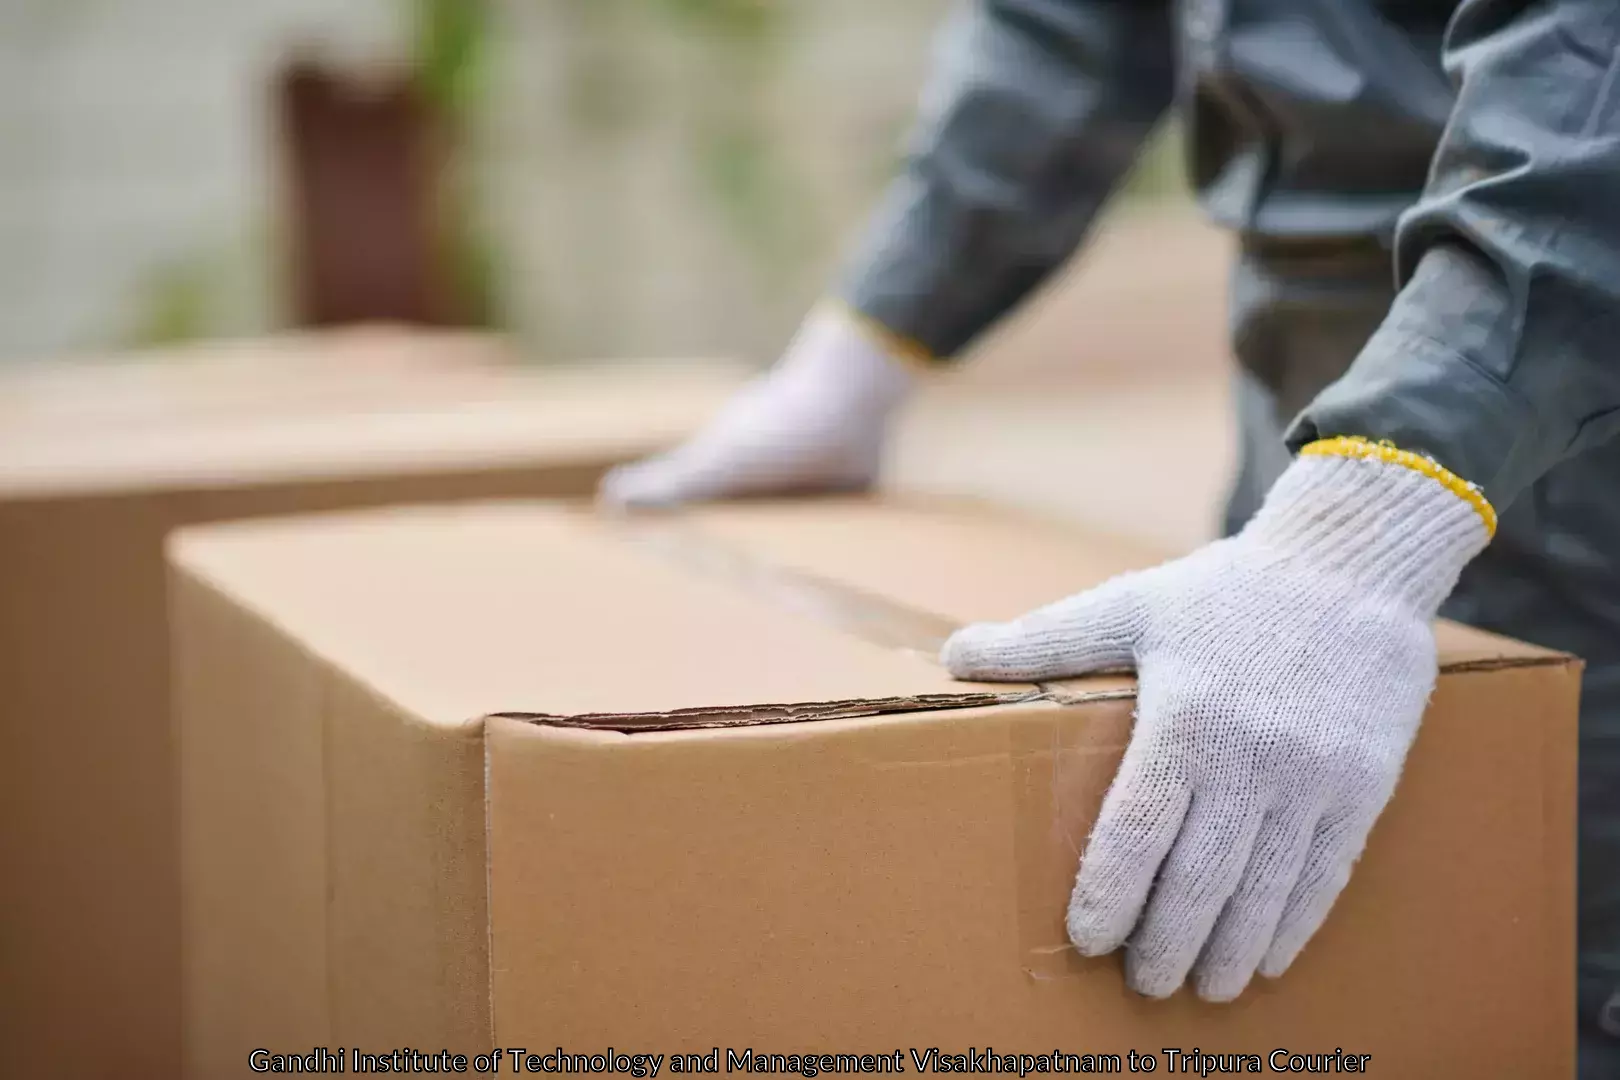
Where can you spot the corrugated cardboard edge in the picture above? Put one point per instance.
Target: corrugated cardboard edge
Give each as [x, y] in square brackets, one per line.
[875, 619]
[750, 715]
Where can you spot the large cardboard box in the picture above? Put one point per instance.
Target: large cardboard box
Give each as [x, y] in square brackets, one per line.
[517, 775]
[98, 461]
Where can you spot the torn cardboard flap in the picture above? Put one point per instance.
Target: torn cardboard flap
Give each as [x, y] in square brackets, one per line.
[712, 716]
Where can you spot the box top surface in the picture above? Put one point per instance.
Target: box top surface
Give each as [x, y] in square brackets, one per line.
[733, 615]
[331, 405]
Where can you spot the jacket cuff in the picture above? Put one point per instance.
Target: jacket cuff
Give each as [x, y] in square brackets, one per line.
[1408, 389]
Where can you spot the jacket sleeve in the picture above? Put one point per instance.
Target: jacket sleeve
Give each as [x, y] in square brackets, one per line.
[1501, 354]
[1034, 111]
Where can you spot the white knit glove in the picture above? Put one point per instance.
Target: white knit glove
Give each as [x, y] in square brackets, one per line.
[1282, 675]
[816, 422]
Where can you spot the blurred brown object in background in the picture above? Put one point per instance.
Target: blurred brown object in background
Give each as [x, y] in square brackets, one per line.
[363, 158]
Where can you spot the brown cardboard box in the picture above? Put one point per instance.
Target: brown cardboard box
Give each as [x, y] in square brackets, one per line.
[97, 463]
[513, 775]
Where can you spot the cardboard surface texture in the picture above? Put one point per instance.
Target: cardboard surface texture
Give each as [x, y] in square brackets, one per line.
[515, 775]
[98, 461]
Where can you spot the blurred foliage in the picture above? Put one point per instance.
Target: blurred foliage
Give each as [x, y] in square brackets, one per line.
[753, 194]
[175, 302]
[450, 59]
[746, 20]
[218, 284]
[451, 51]
[733, 148]
[473, 268]
[603, 94]
[735, 152]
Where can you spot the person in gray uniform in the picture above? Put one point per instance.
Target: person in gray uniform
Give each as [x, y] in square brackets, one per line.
[1426, 313]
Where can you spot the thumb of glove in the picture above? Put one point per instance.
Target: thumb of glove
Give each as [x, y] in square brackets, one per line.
[1093, 631]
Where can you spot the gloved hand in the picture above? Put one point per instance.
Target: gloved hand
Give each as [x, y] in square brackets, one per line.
[817, 422]
[1282, 674]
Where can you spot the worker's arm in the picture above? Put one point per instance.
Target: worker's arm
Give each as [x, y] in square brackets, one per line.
[1501, 355]
[1034, 112]
[1284, 671]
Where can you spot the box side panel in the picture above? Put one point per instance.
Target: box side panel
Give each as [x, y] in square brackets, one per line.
[89, 896]
[903, 882]
[1450, 952]
[249, 709]
[407, 926]
[816, 886]
[333, 853]
[1552, 713]
[88, 889]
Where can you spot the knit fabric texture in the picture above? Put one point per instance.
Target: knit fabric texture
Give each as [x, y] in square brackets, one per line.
[1282, 676]
[816, 422]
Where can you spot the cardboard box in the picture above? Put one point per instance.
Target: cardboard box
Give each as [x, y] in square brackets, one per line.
[364, 366]
[97, 463]
[515, 775]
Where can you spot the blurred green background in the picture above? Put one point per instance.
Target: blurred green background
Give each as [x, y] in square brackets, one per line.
[627, 177]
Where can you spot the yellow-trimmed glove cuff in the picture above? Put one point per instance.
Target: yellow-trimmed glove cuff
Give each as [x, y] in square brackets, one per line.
[1351, 446]
[908, 351]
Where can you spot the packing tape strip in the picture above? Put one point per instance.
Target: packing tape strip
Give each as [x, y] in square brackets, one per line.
[872, 618]
[1062, 759]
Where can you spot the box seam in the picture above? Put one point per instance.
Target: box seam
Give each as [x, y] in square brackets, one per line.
[709, 718]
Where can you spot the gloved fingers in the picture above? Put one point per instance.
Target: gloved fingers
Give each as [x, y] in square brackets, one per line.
[637, 486]
[1338, 842]
[1140, 818]
[1092, 631]
[1248, 923]
[1200, 874]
